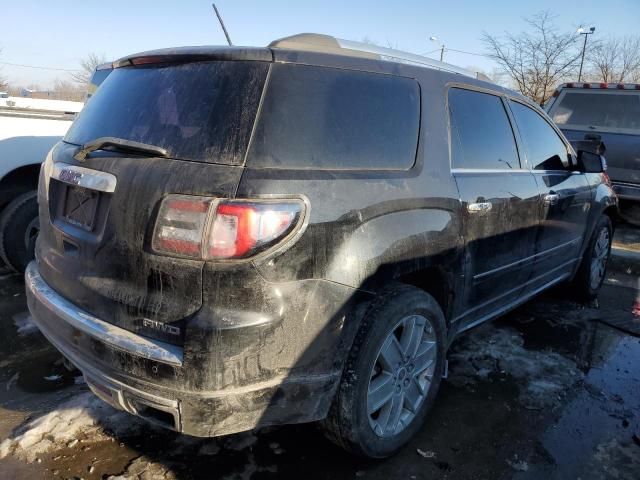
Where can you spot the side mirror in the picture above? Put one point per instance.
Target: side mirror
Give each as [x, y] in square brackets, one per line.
[589, 162]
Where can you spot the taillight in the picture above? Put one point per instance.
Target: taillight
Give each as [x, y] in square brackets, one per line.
[181, 225]
[209, 229]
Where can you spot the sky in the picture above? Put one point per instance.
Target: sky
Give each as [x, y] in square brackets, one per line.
[58, 34]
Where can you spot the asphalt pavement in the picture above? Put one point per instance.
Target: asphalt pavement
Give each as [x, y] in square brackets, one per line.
[550, 391]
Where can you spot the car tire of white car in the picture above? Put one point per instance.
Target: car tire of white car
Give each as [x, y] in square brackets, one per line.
[18, 230]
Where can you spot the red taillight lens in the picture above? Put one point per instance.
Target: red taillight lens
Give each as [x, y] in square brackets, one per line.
[206, 228]
[181, 225]
[241, 229]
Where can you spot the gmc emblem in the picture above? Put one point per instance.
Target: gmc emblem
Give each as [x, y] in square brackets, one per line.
[162, 327]
[69, 176]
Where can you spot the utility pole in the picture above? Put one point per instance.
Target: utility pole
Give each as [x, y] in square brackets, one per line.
[586, 33]
[435, 39]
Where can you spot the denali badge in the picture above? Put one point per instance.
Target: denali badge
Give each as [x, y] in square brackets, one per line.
[163, 327]
[69, 176]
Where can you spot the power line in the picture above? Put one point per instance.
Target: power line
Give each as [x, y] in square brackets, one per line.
[39, 67]
[432, 51]
[468, 53]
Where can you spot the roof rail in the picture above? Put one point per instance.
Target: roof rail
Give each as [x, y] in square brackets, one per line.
[327, 44]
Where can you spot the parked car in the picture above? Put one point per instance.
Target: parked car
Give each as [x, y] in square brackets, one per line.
[29, 127]
[100, 74]
[608, 116]
[240, 237]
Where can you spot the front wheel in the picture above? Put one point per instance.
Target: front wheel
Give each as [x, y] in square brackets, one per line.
[392, 374]
[593, 268]
[19, 227]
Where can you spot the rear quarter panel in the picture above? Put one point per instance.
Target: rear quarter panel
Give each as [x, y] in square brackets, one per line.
[367, 227]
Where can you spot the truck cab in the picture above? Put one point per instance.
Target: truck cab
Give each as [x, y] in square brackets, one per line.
[606, 115]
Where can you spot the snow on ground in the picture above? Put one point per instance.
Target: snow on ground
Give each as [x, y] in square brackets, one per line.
[24, 323]
[618, 459]
[85, 416]
[488, 351]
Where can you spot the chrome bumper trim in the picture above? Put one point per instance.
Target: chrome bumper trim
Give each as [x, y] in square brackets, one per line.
[105, 332]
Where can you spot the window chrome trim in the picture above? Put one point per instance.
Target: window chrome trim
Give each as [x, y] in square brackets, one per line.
[489, 170]
[84, 177]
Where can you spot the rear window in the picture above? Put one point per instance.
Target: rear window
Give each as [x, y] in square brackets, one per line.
[197, 111]
[604, 109]
[324, 118]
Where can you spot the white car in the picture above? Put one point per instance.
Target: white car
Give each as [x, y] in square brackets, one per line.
[29, 128]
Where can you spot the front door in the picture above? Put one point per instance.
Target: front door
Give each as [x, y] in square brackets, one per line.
[565, 197]
[499, 201]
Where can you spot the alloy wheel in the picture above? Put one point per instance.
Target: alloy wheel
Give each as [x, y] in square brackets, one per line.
[599, 258]
[401, 376]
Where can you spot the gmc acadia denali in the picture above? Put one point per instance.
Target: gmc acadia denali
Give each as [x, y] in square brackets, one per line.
[239, 237]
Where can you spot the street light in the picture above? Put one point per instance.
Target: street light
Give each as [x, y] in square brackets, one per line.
[435, 39]
[586, 33]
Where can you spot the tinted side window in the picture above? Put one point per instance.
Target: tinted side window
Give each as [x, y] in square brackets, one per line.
[324, 118]
[97, 78]
[544, 148]
[481, 135]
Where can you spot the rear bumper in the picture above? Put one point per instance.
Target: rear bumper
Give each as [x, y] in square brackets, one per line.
[130, 372]
[627, 191]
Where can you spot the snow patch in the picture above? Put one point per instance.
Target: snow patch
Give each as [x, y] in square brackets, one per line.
[24, 324]
[84, 415]
[618, 458]
[143, 467]
[489, 351]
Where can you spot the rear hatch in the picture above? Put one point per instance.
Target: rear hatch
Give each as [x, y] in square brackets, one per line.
[94, 245]
[609, 116]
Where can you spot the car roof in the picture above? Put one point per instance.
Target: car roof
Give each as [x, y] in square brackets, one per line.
[321, 50]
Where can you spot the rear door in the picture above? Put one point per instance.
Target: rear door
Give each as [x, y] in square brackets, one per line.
[565, 197]
[500, 201]
[97, 215]
[607, 115]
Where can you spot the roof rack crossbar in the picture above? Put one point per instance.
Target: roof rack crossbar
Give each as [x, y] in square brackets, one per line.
[391, 54]
[325, 43]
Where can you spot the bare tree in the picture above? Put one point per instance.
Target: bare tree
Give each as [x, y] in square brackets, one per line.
[65, 90]
[615, 60]
[3, 80]
[88, 65]
[536, 61]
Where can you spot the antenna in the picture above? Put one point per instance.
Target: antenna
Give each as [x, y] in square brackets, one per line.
[224, 29]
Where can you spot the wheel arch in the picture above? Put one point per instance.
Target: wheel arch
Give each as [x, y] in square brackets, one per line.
[18, 181]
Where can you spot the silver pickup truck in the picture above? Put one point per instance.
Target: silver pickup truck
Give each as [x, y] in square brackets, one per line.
[607, 115]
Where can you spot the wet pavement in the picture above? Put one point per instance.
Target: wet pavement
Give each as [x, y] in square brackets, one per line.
[550, 391]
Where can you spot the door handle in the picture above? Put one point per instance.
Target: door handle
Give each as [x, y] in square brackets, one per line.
[551, 198]
[482, 207]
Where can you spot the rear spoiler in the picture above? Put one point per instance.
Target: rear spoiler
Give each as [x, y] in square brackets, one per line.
[195, 54]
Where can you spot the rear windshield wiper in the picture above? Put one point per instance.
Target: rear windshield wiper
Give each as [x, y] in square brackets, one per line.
[119, 144]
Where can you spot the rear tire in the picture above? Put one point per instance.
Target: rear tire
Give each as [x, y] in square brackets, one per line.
[391, 376]
[593, 268]
[19, 227]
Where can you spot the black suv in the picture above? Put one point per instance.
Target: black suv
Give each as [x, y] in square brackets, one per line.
[240, 237]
